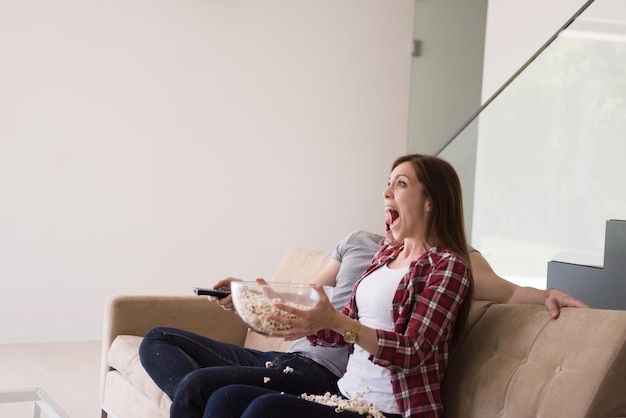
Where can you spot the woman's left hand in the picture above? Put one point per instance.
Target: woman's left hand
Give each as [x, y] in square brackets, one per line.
[307, 321]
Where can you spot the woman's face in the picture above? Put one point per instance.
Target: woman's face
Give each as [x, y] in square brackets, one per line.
[406, 206]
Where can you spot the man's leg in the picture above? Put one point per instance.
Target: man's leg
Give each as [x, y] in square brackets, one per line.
[286, 372]
[170, 354]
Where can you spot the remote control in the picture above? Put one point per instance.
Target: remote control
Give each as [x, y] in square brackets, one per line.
[219, 293]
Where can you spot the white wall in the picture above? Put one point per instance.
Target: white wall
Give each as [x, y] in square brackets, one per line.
[151, 146]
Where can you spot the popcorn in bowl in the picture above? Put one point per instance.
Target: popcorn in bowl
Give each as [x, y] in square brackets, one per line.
[254, 302]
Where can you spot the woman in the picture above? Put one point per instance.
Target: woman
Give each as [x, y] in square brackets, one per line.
[403, 312]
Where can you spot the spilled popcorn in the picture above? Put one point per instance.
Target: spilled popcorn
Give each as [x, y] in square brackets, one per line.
[287, 370]
[356, 404]
[266, 379]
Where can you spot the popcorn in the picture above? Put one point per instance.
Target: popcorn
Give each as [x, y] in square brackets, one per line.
[268, 364]
[266, 379]
[356, 404]
[256, 309]
[287, 370]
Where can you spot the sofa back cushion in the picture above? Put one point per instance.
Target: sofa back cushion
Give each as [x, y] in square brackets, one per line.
[299, 265]
[515, 361]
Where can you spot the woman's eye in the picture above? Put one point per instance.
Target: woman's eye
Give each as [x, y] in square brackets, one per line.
[397, 183]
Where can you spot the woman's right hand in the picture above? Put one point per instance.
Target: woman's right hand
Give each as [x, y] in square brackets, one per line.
[307, 321]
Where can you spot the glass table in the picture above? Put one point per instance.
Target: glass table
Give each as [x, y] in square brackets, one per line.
[35, 401]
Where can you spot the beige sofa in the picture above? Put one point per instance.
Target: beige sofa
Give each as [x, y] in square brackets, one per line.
[513, 360]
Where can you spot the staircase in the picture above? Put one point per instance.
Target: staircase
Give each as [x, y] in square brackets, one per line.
[601, 287]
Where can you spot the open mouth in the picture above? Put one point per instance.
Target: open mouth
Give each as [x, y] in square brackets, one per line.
[391, 217]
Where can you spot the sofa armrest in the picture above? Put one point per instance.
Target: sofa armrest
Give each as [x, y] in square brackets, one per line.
[135, 315]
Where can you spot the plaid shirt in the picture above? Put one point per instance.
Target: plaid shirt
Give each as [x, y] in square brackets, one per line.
[424, 309]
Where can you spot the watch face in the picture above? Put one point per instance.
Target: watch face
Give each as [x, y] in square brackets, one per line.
[351, 336]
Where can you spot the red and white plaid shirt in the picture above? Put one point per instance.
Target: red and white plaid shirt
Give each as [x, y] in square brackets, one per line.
[424, 308]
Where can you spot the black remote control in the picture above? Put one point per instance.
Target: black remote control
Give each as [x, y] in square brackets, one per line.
[219, 293]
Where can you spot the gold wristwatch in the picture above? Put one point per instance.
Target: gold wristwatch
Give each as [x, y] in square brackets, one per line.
[351, 336]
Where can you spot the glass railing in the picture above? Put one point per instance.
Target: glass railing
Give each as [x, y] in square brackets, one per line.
[550, 159]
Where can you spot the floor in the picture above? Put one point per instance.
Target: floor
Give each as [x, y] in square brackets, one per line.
[68, 372]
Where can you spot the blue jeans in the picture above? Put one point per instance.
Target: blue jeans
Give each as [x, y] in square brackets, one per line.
[241, 401]
[190, 367]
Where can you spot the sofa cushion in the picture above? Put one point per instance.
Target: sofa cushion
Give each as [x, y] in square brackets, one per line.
[517, 361]
[124, 358]
[123, 400]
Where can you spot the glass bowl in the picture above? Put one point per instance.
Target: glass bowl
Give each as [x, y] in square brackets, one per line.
[254, 302]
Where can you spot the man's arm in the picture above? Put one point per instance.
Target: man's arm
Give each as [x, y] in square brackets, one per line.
[489, 286]
[328, 275]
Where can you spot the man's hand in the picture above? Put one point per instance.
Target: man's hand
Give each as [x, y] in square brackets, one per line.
[557, 300]
[226, 302]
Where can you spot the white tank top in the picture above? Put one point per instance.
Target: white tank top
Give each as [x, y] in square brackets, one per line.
[373, 298]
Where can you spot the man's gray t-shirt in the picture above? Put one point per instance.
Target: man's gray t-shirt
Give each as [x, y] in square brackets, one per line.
[355, 253]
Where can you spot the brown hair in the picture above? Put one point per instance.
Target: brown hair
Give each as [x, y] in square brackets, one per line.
[446, 226]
